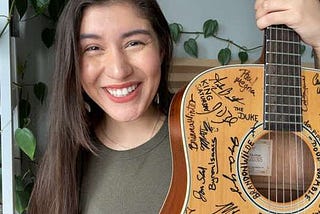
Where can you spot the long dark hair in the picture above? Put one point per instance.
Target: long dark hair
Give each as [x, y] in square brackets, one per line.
[70, 125]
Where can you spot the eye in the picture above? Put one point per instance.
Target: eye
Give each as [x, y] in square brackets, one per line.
[91, 48]
[134, 43]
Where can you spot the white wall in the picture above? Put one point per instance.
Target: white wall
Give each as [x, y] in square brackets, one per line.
[236, 20]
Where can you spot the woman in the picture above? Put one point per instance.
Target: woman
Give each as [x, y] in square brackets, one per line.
[108, 150]
[110, 97]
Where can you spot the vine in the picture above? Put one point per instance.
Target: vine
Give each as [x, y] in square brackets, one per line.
[209, 29]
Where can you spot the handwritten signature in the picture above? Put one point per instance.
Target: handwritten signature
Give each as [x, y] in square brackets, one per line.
[223, 114]
[227, 208]
[235, 188]
[316, 82]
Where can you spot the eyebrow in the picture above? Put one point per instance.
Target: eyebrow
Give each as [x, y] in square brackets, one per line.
[125, 35]
[135, 32]
[89, 36]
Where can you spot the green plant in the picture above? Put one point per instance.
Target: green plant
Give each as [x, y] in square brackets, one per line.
[50, 9]
[24, 137]
[210, 30]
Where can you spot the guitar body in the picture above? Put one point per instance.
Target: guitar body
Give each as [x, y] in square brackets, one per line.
[226, 161]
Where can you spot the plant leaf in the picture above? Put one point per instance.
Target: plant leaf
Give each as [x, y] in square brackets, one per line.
[19, 185]
[22, 200]
[23, 193]
[55, 7]
[175, 31]
[210, 27]
[40, 91]
[224, 56]
[24, 111]
[47, 37]
[40, 6]
[21, 6]
[26, 141]
[191, 47]
[243, 56]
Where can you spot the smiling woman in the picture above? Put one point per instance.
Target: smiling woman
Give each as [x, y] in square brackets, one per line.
[113, 62]
[109, 148]
[109, 105]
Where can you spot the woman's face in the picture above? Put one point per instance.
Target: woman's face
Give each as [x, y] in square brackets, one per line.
[120, 60]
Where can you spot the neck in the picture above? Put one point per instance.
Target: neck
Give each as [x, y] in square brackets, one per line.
[130, 134]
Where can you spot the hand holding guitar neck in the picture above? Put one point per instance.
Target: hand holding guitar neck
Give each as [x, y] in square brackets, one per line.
[303, 16]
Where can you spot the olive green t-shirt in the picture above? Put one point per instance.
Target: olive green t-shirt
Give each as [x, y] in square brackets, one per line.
[132, 181]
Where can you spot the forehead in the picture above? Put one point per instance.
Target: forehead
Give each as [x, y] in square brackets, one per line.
[108, 16]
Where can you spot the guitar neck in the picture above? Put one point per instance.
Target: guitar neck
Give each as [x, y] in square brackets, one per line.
[282, 76]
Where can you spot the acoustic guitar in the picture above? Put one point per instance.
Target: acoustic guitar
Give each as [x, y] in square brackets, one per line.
[246, 138]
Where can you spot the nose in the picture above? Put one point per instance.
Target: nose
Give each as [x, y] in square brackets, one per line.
[118, 64]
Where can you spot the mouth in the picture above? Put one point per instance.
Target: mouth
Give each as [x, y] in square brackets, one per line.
[122, 92]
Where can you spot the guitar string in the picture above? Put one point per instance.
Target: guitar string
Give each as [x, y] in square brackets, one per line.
[295, 120]
[269, 110]
[301, 121]
[285, 140]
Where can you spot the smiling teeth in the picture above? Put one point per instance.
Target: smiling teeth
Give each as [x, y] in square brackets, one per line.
[122, 92]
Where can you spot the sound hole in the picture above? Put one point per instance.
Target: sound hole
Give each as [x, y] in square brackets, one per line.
[292, 167]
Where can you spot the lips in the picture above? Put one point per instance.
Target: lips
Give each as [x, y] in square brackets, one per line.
[122, 92]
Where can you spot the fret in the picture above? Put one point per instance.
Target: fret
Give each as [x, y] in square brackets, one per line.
[281, 122]
[282, 80]
[280, 27]
[271, 75]
[283, 101]
[288, 114]
[275, 41]
[278, 104]
[284, 65]
[270, 96]
[282, 70]
[281, 126]
[283, 118]
[282, 109]
[280, 95]
[284, 91]
[284, 123]
[284, 86]
[283, 48]
[284, 59]
[283, 53]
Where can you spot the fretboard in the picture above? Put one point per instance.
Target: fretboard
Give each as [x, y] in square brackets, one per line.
[282, 78]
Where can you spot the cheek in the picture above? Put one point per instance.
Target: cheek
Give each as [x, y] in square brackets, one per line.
[88, 82]
[157, 70]
[88, 74]
[152, 64]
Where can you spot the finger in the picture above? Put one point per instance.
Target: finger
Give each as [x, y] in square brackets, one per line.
[270, 6]
[258, 4]
[280, 17]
